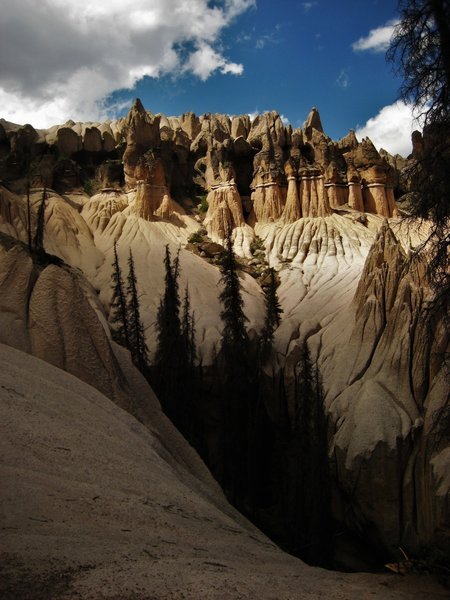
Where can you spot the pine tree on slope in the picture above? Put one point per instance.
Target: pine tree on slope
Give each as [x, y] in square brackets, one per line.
[236, 389]
[169, 349]
[40, 226]
[273, 315]
[234, 334]
[119, 309]
[136, 334]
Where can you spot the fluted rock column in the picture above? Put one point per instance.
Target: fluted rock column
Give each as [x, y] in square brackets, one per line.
[292, 211]
[224, 210]
[355, 197]
[314, 201]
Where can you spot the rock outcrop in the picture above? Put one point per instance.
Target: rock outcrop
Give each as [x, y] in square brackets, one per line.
[279, 173]
[387, 391]
[104, 505]
[347, 282]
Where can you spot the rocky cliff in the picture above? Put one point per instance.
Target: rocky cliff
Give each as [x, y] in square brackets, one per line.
[323, 213]
[253, 172]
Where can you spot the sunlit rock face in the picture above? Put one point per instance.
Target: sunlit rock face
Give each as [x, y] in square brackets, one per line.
[281, 174]
[324, 213]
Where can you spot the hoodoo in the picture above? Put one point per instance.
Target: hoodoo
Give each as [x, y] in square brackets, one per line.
[156, 230]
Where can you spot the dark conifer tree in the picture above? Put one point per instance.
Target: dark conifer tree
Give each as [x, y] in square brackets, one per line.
[40, 225]
[136, 334]
[235, 338]
[119, 308]
[30, 245]
[168, 321]
[171, 362]
[236, 388]
[188, 403]
[310, 488]
[273, 315]
[188, 332]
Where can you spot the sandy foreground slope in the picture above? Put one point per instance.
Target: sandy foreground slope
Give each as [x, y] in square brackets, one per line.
[94, 506]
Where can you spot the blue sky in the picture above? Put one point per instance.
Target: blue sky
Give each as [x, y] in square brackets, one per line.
[66, 59]
[295, 56]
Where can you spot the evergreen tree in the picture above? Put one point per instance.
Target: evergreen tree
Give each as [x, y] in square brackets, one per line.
[310, 482]
[236, 388]
[168, 319]
[119, 308]
[273, 315]
[39, 234]
[136, 334]
[175, 376]
[30, 246]
[170, 358]
[420, 50]
[235, 338]
[188, 332]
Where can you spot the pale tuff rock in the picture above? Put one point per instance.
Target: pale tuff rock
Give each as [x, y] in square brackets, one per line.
[142, 136]
[268, 125]
[376, 179]
[389, 389]
[66, 233]
[100, 208]
[348, 142]
[240, 126]
[108, 141]
[190, 124]
[143, 166]
[143, 125]
[313, 197]
[52, 319]
[92, 139]
[93, 485]
[355, 196]
[224, 211]
[268, 203]
[67, 141]
[166, 133]
[381, 366]
[269, 183]
[313, 121]
[292, 210]
[214, 149]
[366, 349]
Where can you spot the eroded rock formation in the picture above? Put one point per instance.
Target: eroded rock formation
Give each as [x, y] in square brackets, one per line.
[272, 171]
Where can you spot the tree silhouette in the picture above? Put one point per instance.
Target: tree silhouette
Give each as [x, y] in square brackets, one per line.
[234, 334]
[40, 225]
[310, 516]
[30, 245]
[273, 315]
[236, 393]
[188, 332]
[420, 49]
[136, 334]
[119, 308]
[174, 371]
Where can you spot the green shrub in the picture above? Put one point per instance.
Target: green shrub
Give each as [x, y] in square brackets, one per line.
[256, 245]
[203, 205]
[197, 237]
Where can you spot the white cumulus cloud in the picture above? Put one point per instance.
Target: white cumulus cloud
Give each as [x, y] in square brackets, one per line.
[391, 128]
[205, 60]
[61, 59]
[377, 39]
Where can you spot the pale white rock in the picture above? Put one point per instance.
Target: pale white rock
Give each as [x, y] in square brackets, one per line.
[92, 485]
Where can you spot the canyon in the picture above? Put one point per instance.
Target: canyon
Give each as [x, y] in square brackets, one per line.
[331, 218]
